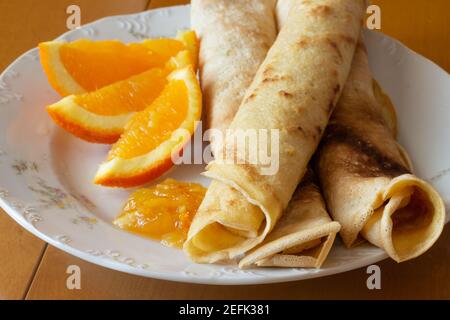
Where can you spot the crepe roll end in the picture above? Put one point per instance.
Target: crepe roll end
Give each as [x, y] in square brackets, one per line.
[224, 228]
[306, 249]
[410, 220]
[216, 242]
[209, 245]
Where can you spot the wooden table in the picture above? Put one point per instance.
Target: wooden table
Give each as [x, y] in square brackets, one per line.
[30, 269]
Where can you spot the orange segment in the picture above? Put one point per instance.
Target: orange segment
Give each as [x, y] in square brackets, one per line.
[86, 65]
[190, 41]
[164, 48]
[162, 212]
[94, 65]
[147, 129]
[100, 116]
[144, 151]
[131, 95]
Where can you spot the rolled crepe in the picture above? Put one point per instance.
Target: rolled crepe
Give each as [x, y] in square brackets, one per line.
[234, 39]
[293, 94]
[303, 237]
[366, 176]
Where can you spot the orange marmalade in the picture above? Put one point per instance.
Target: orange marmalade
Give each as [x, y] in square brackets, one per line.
[162, 212]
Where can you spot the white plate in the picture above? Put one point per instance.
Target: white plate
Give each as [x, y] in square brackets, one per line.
[45, 173]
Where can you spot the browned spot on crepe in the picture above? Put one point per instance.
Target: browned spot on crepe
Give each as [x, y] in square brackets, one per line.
[251, 97]
[268, 71]
[232, 202]
[332, 103]
[313, 133]
[334, 73]
[269, 79]
[318, 130]
[273, 79]
[347, 39]
[335, 47]
[361, 46]
[337, 88]
[370, 161]
[285, 94]
[301, 130]
[303, 42]
[321, 11]
[306, 41]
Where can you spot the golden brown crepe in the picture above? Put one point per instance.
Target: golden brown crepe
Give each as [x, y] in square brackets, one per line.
[234, 38]
[304, 235]
[294, 93]
[366, 176]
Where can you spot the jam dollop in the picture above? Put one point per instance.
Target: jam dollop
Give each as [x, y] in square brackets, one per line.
[162, 212]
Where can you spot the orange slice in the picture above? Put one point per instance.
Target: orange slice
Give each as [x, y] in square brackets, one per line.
[165, 48]
[100, 116]
[86, 65]
[144, 151]
[191, 44]
[162, 212]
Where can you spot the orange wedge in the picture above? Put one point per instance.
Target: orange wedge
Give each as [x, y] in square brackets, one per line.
[165, 48]
[100, 116]
[144, 151]
[191, 44]
[86, 65]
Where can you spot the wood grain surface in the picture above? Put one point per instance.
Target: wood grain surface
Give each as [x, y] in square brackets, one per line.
[30, 269]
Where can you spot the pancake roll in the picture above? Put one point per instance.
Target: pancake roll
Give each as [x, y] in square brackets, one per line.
[293, 94]
[367, 177]
[235, 37]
